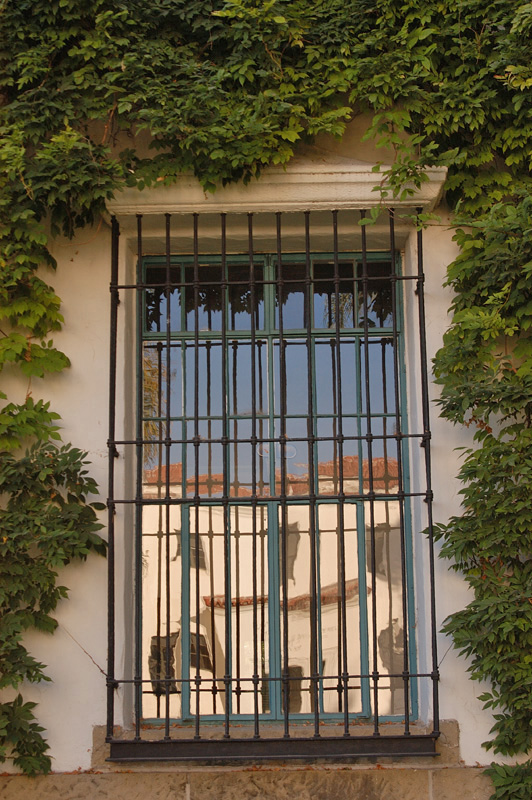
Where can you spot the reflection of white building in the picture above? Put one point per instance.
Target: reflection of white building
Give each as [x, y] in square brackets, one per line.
[329, 629]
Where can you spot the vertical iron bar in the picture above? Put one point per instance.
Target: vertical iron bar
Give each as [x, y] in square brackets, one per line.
[315, 667]
[185, 511]
[334, 387]
[371, 488]
[113, 453]
[137, 681]
[261, 409]
[391, 636]
[255, 678]
[209, 489]
[225, 491]
[282, 494]
[167, 476]
[341, 494]
[236, 531]
[158, 664]
[400, 492]
[420, 290]
[197, 679]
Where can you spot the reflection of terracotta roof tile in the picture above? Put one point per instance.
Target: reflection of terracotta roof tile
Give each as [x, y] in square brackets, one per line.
[329, 596]
[207, 485]
[384, 475]
[153, 476]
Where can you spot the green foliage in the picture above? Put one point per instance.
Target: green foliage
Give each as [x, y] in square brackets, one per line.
[223, 88]
[485, 370]
[491, 545]
[513, 782]
[46, 521]
[29, 420]
[20, 734]
[485, 367]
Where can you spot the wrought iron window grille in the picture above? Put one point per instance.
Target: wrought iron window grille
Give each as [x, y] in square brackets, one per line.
[272, 562]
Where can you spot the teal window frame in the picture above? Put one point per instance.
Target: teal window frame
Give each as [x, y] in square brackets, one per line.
[269, 334]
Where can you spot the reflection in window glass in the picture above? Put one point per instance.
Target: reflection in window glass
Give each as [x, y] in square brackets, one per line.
[209, 305]
[379, 354]
[203, 367]
[292, 296]
[240, 362]
[291, 385]
[328, 306]
[378, 308]
[156, 298]
[280, 569]
[239, 292]
[383, 545]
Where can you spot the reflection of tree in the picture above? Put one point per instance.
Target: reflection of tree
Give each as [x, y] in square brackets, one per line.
[154, 402]
[379, 299]
[345, 310]
[375, 304]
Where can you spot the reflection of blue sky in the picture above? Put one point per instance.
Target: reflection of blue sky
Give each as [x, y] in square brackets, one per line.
[210, 297]
[239, 402]
[239, 363]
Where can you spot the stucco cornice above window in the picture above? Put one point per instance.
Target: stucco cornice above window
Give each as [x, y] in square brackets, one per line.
[302, 186]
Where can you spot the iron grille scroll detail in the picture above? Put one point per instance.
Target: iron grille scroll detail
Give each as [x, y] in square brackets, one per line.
[272, 564]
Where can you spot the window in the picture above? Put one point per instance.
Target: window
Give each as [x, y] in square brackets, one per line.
[273, 542]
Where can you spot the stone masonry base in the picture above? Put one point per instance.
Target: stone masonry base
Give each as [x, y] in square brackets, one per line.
[353, 783]
[444, 778]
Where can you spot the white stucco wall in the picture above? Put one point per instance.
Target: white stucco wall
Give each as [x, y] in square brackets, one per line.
[74, 702]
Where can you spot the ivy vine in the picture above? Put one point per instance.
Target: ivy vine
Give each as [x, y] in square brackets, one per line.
[223, 88]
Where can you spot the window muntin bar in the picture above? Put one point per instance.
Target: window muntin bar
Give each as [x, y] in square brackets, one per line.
[272, 427]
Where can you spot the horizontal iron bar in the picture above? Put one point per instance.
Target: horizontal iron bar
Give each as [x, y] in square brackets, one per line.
[282, 748]
[272, 282]
[293, 499]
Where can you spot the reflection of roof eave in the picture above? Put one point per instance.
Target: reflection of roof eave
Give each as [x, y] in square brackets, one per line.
[329, 596]
[384, 475]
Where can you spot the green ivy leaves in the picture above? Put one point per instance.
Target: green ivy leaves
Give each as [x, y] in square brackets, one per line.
[222, 89]
[485, 371]
[46, 522]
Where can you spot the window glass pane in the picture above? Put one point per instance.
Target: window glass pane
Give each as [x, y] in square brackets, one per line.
[238, 580]
[379, 306]
[350, 377]
[241, 455]
[296, 457]
[328, 466]
[158, 368]
[325, 300]
[206, 612]
[381, 387]
[239, 367]
[292, 295]
[291, 384]
[239, 292]
[210, 460]
[245, 621]
[383, 543]
[161, 577]
[208, 378]
[339, 607]
[156, 299]
[298, 616]
[209, 298]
